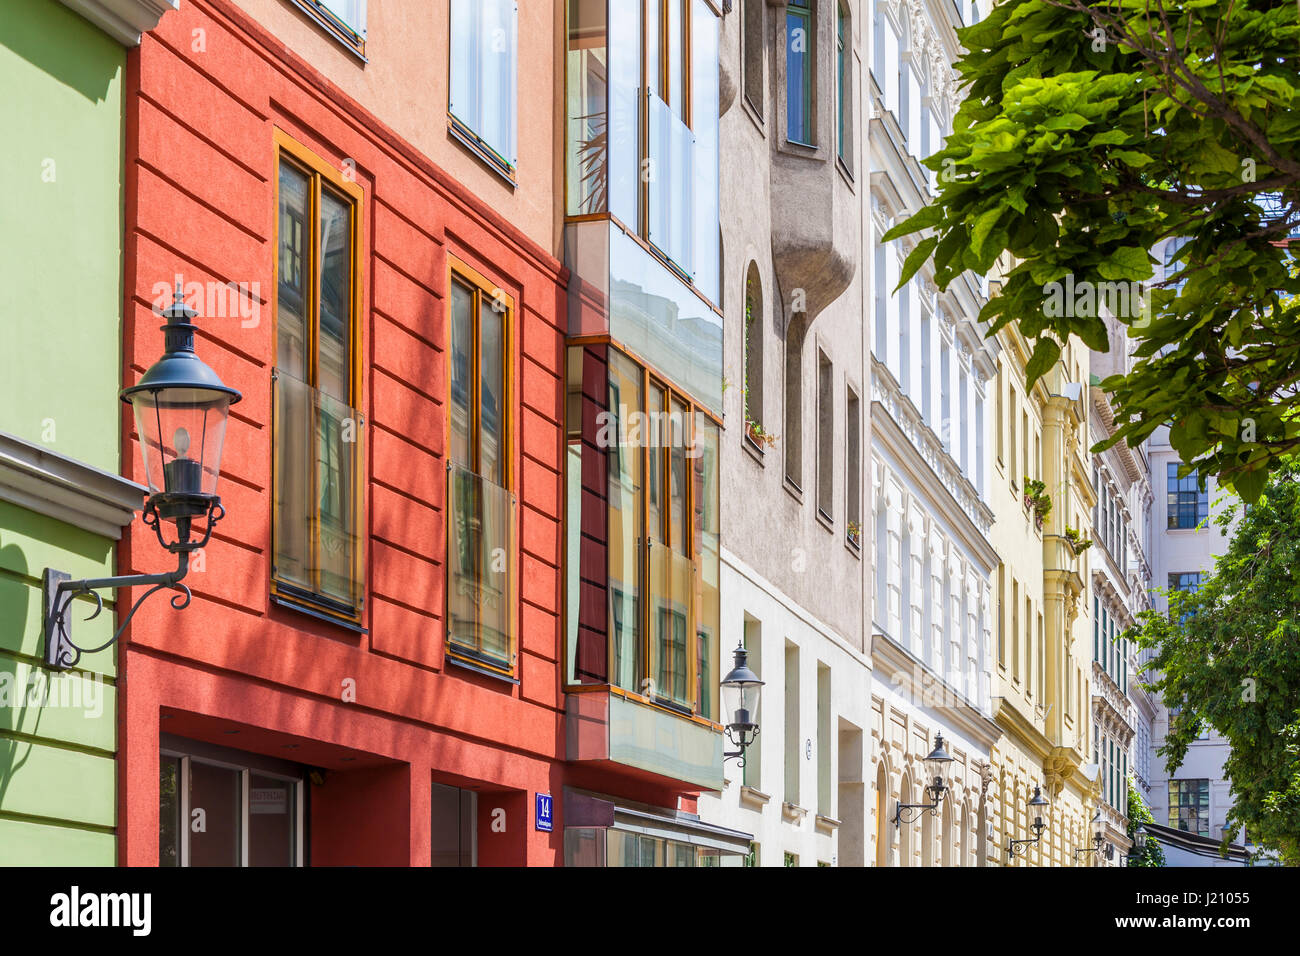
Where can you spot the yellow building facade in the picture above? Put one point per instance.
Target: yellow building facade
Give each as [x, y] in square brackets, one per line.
[1042, 663]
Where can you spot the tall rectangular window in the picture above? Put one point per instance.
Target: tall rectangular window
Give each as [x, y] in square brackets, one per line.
[1189, 805]
[753, 52]
[799, 40]
[793, 739]
[318, 460]
[1015, 630]
[484, 78]
[1002, 594]
[825, 436]
[1187, 505]
[853, 469]
[946, 425]
[843, 83]
[927, 383]
[480, 506]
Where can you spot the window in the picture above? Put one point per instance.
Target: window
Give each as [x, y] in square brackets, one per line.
[793, 740]
[825, 436]
[318, 495]
[853, 470]
[484, 64]
[1002, 638]
[480, 507]
[754, 45]
[844, 84]
[946, 428]
[647, 559]
[927, 413]
[799, 39]
[220, 807]
[753, 358]
[345, 19]
[1185, 581]
[1015, 630]
[1187, 505]
[1189, 805]
[1011, 431]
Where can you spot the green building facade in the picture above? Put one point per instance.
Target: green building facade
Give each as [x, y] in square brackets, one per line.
[62, 502]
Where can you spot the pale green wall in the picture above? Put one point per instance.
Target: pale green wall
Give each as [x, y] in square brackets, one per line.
[60, 358]
[61, 241]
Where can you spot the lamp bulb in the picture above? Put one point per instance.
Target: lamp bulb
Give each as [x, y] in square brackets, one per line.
[181, 441]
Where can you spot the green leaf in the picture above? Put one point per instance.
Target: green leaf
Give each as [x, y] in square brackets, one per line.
[915, 259]
[924, 218]
[1047, 352]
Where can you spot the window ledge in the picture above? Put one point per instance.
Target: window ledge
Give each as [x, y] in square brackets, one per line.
[458, 661]
[753, 797]
[825, 520]
[793, 490]
[459, 132]
[303, 607]
[845, 173]
[755, 115]
[754, 450]
[357, 46]
[793, 812]
[825, 824]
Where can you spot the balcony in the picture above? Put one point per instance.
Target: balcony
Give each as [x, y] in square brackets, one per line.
[480, 578]
[610, 726]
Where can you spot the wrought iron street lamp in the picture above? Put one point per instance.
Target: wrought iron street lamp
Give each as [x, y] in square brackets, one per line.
[740, 689]
[180, 409]
[937, 765]
[1039, 805]
[1097, 840]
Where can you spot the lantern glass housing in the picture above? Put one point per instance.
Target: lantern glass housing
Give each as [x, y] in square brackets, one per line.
[937, 766]
[740, 689]
[1039, 805]
[181, 431]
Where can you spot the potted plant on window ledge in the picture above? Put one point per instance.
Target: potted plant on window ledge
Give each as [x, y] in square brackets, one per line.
[1037, 499]
[1078, 543]
[755, 432]
[854, 533]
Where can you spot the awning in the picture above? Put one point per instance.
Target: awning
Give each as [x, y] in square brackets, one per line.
[584, 810]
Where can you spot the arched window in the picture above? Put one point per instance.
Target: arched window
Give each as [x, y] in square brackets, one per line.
[967, 841]
[905, 833]
[945, 836]
[753, 349]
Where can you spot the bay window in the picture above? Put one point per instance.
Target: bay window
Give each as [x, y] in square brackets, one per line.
[484, 77]
[318, 454]
[480, 506]
[643, 553]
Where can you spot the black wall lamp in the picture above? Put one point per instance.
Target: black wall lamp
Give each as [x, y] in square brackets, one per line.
[1097, 841]
[180, 407]
[740, 689]
[936, 772]
[1039, 805]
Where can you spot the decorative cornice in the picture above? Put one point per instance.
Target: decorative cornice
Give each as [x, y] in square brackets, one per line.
[890, 657]
[51, 484]
[124, 20]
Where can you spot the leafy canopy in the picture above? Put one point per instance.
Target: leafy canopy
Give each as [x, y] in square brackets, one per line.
[1090, 134]
[1228, 656]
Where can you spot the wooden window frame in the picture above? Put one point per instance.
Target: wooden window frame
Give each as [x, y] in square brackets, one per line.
[320, 174]
[458, 271]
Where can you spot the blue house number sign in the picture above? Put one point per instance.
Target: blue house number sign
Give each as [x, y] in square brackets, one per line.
[544, 812]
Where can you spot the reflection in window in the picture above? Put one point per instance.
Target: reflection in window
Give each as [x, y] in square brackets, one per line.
[1189, 806]
[484, 54]
[481, 519]
[1187, 505]
[316, 429]
[799, 71]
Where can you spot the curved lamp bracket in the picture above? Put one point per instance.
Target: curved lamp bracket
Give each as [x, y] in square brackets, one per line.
[61, 653]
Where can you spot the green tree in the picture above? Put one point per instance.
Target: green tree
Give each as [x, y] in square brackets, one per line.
[1150, 853]
[1089, 135]
[1227, 655]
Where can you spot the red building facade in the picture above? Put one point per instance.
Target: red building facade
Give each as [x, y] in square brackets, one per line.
[312, 704]
[375, 668]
